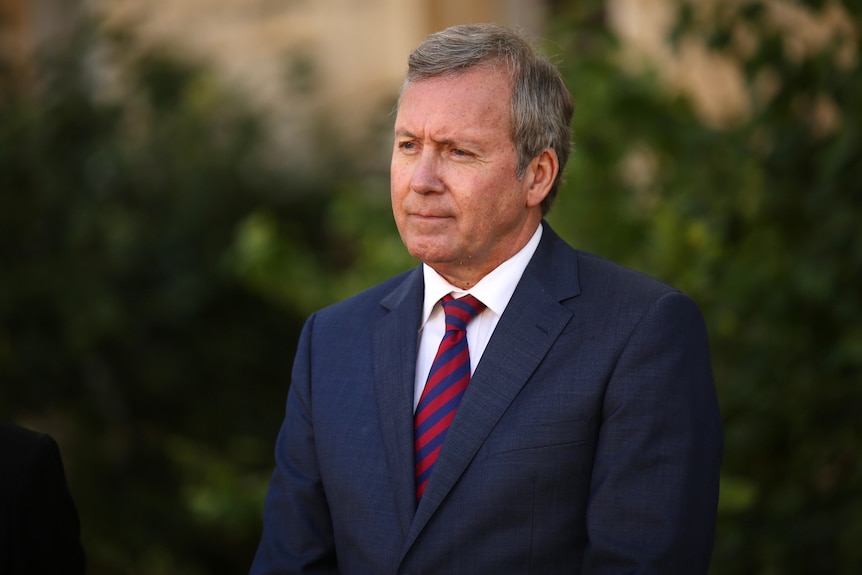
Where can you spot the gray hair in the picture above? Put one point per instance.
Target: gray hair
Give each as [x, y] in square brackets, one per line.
[541, 105]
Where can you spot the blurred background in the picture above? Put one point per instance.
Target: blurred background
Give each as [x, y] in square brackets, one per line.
[183, 181]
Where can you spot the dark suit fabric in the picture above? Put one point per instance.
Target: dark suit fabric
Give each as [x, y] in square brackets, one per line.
[589, 439]
[39, 526]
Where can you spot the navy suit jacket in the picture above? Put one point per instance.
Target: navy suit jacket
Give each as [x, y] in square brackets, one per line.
[588, 441]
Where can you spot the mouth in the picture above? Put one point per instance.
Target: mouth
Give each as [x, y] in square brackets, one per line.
[430, 221]
[429, 215]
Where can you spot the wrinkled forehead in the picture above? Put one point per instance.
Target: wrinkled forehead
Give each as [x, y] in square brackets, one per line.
[478, 99]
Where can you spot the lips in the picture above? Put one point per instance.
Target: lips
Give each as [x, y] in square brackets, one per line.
[427, 211]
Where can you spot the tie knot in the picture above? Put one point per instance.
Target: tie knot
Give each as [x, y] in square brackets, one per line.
[460, 311]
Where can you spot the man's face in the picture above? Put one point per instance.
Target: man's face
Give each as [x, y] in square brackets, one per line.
[457, 202]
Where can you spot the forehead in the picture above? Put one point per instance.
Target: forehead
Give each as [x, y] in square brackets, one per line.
[476, 100]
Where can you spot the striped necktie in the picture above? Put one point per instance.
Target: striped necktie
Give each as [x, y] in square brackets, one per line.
[447, 381]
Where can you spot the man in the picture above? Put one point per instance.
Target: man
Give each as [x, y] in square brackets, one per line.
[39, 528]
[588, 438]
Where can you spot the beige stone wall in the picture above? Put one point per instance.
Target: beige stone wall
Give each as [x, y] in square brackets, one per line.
[356, 49]
[714, 82]
[353, 52]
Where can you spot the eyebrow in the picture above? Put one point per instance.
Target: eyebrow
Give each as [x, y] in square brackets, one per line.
[447, 141]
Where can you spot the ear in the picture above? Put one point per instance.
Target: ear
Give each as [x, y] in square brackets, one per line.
[540, 176]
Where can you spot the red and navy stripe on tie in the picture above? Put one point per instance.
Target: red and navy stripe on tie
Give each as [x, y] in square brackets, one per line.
[446, 384]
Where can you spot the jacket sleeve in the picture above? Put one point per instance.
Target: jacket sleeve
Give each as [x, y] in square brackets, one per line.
[654, 487]
[297, 530]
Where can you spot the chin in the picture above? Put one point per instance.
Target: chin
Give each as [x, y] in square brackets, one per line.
[428, 254]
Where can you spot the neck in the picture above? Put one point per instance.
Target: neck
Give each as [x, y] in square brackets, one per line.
[466, 274]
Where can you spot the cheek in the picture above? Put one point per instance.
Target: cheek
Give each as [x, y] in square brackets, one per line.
[399, 182]
[485, 198]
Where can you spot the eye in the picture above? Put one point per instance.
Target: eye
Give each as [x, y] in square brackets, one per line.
[406, 145]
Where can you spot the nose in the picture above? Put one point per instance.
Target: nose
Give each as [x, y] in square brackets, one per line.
[426, 173]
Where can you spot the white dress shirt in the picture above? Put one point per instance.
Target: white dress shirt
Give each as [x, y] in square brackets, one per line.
[494, 290]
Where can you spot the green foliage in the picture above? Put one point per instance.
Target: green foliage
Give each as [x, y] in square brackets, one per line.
[127, 325]
[759, 223]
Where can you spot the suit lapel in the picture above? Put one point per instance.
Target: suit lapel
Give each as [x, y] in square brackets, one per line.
[532, 322]
[395, 341]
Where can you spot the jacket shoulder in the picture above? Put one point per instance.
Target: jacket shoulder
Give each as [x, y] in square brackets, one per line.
[373, 301]
[599, 273]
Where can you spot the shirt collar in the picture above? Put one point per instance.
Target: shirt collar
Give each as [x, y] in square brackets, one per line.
[494, 290]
